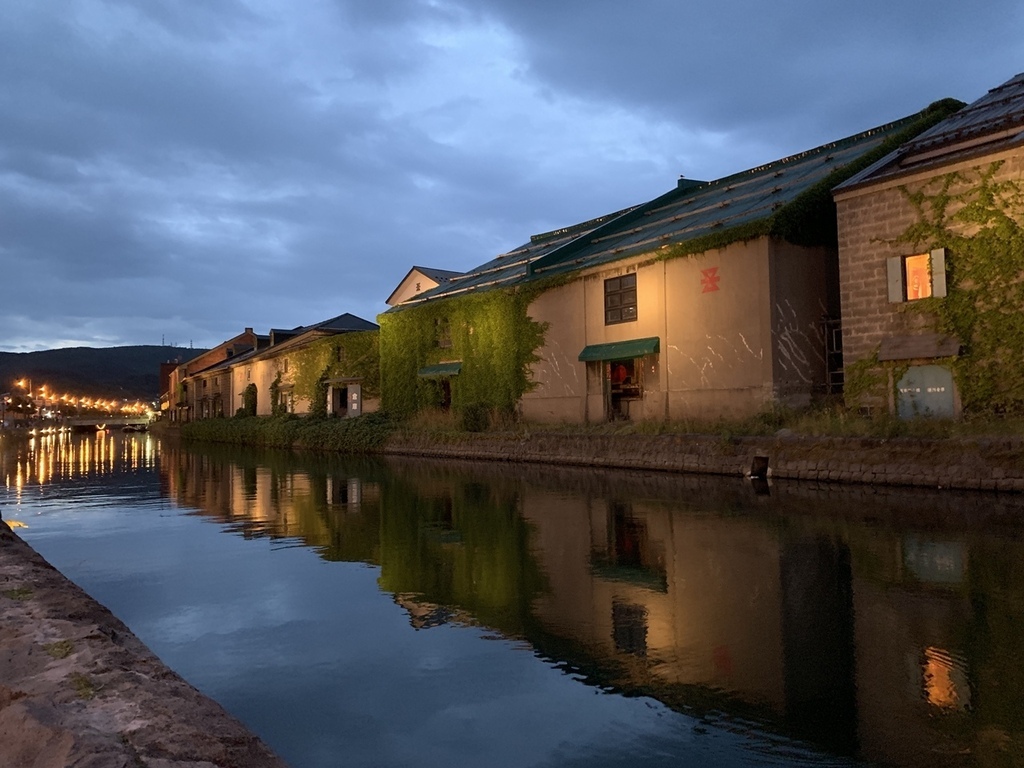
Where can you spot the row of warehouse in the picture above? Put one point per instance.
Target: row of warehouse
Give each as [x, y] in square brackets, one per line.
[886, 267]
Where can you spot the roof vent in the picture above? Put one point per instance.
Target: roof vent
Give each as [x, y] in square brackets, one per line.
[684, 184]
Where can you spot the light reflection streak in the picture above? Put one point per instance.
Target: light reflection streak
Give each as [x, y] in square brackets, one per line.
[59, 457]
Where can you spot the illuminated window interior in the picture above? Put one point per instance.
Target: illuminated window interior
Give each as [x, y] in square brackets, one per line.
[918, 276]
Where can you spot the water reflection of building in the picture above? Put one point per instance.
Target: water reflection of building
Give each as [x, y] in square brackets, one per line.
[798, 610]
[820, 616]
[669, 600]
[335, 512]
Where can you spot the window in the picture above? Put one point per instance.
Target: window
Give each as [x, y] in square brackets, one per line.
[620, 299]
[918, 276]
[442, 333]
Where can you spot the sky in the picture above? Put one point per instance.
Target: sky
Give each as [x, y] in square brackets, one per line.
[173, 171]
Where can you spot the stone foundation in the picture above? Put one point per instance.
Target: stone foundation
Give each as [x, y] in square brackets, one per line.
[995, 464]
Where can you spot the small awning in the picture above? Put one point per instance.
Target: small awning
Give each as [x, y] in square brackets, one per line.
[924, 345]
[439, 371]
[620, 350]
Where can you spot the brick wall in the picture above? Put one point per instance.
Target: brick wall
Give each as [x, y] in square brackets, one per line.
[869, 220]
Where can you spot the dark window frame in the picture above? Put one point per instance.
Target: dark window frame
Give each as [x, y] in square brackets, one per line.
[620, 299]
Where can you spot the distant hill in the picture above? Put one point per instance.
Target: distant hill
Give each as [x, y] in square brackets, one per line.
[132, 373]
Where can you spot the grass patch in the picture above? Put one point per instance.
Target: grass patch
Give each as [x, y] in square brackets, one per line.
[825, 420]
[83, 685]
[21, 593]
[368, 433]
[60, 649]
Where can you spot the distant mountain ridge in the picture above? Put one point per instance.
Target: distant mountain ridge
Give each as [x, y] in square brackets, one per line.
[132, 373]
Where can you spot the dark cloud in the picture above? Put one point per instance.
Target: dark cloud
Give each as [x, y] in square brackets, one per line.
[184, 170]
[795, 70]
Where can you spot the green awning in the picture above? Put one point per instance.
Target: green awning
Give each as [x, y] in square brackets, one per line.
[621, 350]
[439, 371]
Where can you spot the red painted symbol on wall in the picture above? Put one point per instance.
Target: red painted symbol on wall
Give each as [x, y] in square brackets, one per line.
[709, 279]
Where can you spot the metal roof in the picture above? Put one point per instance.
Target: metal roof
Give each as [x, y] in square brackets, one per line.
[1000, 109]
[691, 210]
[343, 323]
[992, 123]
[439, 275]
[508, 268]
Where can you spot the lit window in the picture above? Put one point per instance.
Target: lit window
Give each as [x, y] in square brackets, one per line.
[919, 276]
[620, 299]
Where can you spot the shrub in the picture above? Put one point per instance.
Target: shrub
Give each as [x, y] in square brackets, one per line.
[475, 417]
[364, 434]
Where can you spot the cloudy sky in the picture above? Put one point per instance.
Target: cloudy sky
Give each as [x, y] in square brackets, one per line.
[173, 171]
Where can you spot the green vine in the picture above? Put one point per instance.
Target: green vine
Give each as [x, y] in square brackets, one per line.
[249, 401]
[277, 408]
[491, 335]
[979, 219]
[353, 356]
[865, 380]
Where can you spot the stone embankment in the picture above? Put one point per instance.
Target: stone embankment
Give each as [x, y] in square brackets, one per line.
[77, 688]
[993, 464]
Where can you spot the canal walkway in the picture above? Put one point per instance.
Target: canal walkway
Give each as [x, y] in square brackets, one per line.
[77, 688]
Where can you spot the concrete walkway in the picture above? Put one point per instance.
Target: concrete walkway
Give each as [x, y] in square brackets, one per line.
[77, 688]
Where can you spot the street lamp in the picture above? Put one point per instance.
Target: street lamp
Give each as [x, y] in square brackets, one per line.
[26, 384]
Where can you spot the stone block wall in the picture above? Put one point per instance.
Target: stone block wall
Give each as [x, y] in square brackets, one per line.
[966, 464]
[869, 220]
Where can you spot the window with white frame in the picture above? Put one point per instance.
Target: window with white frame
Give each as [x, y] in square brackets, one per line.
[917, 276]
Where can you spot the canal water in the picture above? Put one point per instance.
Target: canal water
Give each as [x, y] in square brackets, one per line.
[410, 612]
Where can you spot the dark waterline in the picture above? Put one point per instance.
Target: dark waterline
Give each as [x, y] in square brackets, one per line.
[419, 613]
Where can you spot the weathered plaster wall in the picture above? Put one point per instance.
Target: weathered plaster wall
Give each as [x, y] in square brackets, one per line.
[561, 378]
[737, 326]
[717, 354]
[799, 301]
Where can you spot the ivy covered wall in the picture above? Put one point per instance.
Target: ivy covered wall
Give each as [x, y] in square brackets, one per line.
[978, 217]
[489, 333]
[346, 355]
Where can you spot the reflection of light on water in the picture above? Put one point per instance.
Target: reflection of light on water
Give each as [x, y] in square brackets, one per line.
[944, 678]
[58, 456]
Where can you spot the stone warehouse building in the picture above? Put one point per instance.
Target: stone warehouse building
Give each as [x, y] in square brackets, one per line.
[282, 372]
[931, 257]
[714, 299]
